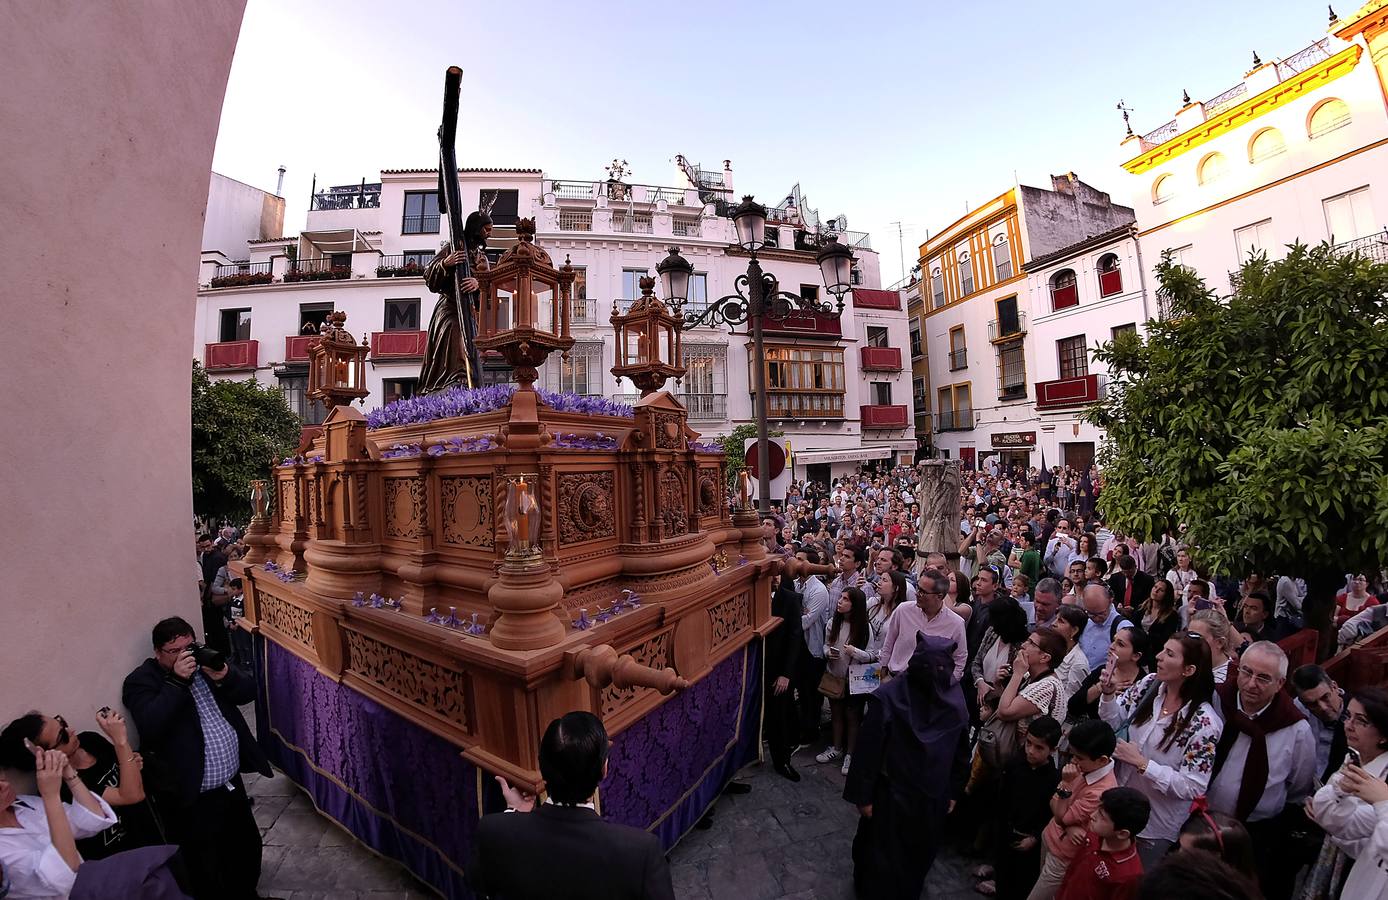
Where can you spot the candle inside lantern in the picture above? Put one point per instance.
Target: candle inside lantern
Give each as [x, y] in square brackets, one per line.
[744, 489]
[340, 373]
[523, 513]
[641, 347]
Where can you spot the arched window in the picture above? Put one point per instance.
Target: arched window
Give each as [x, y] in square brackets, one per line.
[1328, 116]
[1212, 168]
[937, 287]
[1064, 291]
[1110, 278]
[966, 274]
[1265, 145]
[1163, 189]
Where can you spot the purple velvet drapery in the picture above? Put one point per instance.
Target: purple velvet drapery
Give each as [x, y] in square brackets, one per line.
[409, 795]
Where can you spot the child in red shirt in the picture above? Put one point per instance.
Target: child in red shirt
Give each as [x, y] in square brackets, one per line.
[1107, 867]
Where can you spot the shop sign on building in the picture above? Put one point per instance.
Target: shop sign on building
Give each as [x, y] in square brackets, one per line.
[1004, 440]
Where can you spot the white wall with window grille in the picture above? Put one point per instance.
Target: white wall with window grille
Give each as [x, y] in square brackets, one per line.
[582, 373]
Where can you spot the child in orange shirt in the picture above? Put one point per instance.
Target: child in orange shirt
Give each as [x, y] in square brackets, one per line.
[1082, 783]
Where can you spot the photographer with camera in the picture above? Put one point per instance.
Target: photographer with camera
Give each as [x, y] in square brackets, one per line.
[184, 702]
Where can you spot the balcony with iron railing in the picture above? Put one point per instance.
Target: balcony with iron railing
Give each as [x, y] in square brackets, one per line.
[241, 274]
[419, 224]
[880, 359]
[958, 359]
[400, 265]
[1007, 328]
[701, 407]
[1080, 390]
[231, 356]
[920, 403]
[686, 227]
[320, 269]
[349, 196]
[883, 415]
[804, 404]
[586, 312]
[1373, 246]
[636, 223]
[575, 220]
[954, 420]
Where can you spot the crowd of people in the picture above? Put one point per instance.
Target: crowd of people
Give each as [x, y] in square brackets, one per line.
[84, 815]
[1091, 714]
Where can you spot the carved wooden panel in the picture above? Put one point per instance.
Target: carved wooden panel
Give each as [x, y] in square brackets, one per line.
[289, 501]
[730, 617]
[672, 503]
[314, 513]
[592, 596]
[424, 684]
[709, 494]
[404, 507]
[586, 507]
[286, 618]
[654, 652]
[467, 511]
[669, 431]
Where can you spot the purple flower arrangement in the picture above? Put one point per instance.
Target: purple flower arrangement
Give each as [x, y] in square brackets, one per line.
[402, 451]
[598, 441]
[433, 618]
[462, 445]
[359, 599]
[629, 600]
[283, 574]
[705, 447]
[461, 401]
[473, 626]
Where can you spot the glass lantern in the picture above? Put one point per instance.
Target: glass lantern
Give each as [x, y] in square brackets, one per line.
[522, 518]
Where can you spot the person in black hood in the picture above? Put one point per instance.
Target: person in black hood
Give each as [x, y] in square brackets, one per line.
[908, 767]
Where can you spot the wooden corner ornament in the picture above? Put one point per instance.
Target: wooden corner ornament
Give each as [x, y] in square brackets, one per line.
[601, 666]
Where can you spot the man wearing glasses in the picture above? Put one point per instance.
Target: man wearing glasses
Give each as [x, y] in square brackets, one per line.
[188, 721]
[1265, 761]
[1060, 549]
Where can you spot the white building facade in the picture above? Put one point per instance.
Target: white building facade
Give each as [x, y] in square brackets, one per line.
[1296, 151]
[838, 388]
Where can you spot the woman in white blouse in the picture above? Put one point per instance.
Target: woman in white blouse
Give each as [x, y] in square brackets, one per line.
[1032, 689]
[1167, 730]
[1213, 625]
[38, 834]
[1184, 573]
[1349, 820]
[1074, 668]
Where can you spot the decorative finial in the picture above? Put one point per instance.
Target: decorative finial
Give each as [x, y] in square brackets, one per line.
[1125, 109]
[1185, 97]
[1256, 61]
[525, 230]
[1333, 18]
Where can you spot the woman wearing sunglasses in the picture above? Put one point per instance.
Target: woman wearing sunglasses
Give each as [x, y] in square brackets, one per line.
[106, 766]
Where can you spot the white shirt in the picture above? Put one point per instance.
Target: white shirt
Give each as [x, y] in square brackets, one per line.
[1368, 880]
[1059, 551]
[1349, 821]
[32, 864]
[1072, 672]
[816, 611]
[1175, 775]
[1291, 771]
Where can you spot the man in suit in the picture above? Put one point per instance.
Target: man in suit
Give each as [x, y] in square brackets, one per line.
[194, 736]
[1131, 587]
[562, 849]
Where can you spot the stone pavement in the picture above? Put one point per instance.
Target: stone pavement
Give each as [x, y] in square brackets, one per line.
[781, 840]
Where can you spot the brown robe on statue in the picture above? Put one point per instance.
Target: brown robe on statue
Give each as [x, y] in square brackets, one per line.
[445, 356]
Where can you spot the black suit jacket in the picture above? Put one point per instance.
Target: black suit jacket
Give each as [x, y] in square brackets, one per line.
[787, 640]
[566, 853]
[163, 709]
[1142, 587]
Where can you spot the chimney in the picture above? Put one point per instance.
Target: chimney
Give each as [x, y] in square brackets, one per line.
[279, 185]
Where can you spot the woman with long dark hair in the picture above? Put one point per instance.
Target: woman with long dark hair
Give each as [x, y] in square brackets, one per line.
[1168, 731]
[847, 629]
[1160, 617]
[447, 357]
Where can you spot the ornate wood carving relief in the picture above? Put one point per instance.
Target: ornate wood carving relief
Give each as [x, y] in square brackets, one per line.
[669, 431]
[730, 617]
[592, 596]
[673, 516]
[419, 682]
[466, 504]
[289, 501]
[404, 507]
[286, 618]
[654, 652]
[708, 492]
[314, 511]
[585, 507]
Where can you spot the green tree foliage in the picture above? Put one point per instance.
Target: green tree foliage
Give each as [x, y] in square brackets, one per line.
[732, 449]
[1260, 419]
[239, 429]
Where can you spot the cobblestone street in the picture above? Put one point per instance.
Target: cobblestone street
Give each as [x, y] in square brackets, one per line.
[781, 840]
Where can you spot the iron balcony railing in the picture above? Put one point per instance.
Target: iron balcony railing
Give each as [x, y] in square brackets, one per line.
[575, 220]
[241, 275]
[1008, 327]
[958, 359]
[401, 265]
[1373, 246]
[1304, 59]
[637, 223]
[686, 227]
[1232, 97]
[420, 225]
[954, 420]
[352, 196]
[702, 407]
[584, 312]
[320, 269]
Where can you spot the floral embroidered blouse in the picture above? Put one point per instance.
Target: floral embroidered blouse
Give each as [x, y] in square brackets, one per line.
[1175, 775]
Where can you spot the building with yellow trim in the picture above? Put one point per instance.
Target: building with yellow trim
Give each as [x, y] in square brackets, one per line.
[977, 307]
[1296, 151]
[920, 367]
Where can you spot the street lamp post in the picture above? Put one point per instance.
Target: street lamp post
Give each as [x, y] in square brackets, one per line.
[755, 300]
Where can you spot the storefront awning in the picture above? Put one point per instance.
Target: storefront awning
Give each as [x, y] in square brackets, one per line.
[851, 454]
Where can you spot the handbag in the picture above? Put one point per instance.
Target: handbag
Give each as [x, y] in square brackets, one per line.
[835, 687]
[997, 741]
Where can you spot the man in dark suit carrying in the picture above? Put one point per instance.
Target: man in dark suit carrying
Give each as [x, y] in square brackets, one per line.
[196, 743]
[1130, 587]
[561, 849]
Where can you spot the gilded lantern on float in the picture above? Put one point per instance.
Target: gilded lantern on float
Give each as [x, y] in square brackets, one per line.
[648, 334]
[524, 312]
[337, 364]
[260, 500]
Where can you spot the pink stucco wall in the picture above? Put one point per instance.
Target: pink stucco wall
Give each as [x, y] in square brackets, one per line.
[107, 125]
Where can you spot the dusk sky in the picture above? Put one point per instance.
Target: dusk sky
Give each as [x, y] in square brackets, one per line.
[882, 111]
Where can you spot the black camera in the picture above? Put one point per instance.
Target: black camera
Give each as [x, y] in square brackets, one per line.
[207, 656]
